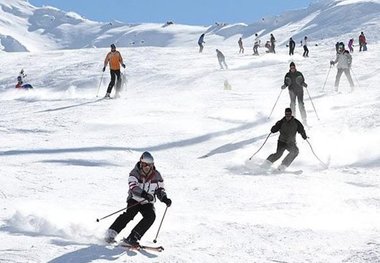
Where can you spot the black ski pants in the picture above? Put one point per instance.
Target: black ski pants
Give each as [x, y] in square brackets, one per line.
[281, 147]
[114, 74]
[305, 51]
[146, 210]
[291, 51]
[297, 94]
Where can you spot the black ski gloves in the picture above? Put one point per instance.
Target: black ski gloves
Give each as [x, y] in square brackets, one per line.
[104, 69]
[332, 63]
[123, 65]
[147, 196]
[167, 201]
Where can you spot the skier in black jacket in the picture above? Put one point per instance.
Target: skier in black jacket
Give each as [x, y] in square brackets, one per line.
[292, 45]
[288, 127]
[295, 82]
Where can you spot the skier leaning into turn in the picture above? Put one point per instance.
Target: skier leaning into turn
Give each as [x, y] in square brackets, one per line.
[145, 184]
[288, 127]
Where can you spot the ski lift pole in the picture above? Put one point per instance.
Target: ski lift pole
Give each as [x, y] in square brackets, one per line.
[328, 73]
[100, 83]
[275, 104]
[312, 103]
[261, 146]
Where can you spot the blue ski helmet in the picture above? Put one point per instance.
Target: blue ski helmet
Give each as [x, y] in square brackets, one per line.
[146, 157]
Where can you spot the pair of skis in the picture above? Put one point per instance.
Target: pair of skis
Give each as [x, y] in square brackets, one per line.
[141, 247]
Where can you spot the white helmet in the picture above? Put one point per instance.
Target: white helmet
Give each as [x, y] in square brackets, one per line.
[146, 157]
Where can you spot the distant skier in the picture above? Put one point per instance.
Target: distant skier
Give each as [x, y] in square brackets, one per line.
[292, 46]
[269, 47]
[114, 59]
[288, 127]
[272, 43]
[201, 42]
[351, 45]
[221, 59]
[20, 81]
[241, 48]
[344, 61]
[256, 45]
[295, 82]
[305, 49]
[145, 184]
[362, 42]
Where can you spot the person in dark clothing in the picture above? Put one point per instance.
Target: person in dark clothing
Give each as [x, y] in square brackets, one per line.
[295, 82]
[201, 42]
[288, 127]
[241, 48]
[272, 43]
[145, 184]
[221, 59]
[292, 46]
[114, 59]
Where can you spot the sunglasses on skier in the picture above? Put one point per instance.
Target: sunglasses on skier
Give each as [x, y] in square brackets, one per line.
[146, 164]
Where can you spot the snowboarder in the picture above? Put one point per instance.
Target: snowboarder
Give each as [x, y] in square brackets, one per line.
[351, 45]
[201, 42]
[20, 81]
[145, 184]
[292, 46]
[344, 61]
[295, 82]
[272, 43]
[362, 42]
[256, 45]
[288, 127]
[241, 48]
[305, 49]
[221, 59]
[114, 59]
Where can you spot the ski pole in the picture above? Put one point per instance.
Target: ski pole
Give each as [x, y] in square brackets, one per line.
[261, 146]
[100, 83]
[324, 84]
[312, 103]
[275, 103]
[98, 219]
[324, 165]
[158, 231]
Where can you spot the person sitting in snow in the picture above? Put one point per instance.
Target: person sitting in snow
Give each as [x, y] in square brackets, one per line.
[288, 127]
[20, 81]
[145, 184]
